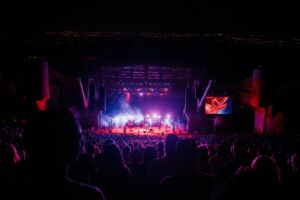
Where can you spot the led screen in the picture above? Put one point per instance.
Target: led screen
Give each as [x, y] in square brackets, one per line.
[218, 105]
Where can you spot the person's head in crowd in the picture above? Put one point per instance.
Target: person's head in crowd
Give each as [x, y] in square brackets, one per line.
[131, 146]
[203, 152]
[90, 150]
[187, 153]
[281, 160]
[160, 149]
[202, 159]
[108, 141]
[138, 146]
[122, 145]
[137, 156]
[170, 144]
[295, 160]
[126, 153]
[53, 139]
[266, 169]
[223, 149]
[112, 156]
[150, 154]
[239, 148]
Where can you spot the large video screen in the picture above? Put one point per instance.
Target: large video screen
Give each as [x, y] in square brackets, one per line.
[218, 105]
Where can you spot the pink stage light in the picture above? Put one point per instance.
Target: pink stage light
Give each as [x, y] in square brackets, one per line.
[154, 115]
[127, 97]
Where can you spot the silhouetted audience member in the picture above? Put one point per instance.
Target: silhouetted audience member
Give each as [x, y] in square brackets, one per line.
[266, 169]
[150, 154]
[160, 149]
[259, 181]
[226, 176]
[291, 183]
[136, 164]
[281, 161]
[126, 153]
[52, 139]
[136, 167]
[114, 176]
[218, 161]
[85, 168]
[166, 165]
[9, 160]
[52, 160]
[188, 183]
[99, 157]
[163, 166]
[202, 159]
[295, 161]
[241, 158]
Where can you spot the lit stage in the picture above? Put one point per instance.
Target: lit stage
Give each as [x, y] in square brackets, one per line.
[134, 122]
[152, 131]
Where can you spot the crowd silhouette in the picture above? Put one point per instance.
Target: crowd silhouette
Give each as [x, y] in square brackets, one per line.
[51, 157]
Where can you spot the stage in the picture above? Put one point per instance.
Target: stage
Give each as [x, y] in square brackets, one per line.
[151, 131]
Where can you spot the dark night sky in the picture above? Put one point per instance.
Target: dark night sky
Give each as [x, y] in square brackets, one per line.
[24, 28]
[200, 16]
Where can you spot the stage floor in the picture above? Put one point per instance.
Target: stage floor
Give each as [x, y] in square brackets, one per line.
[153, 131]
